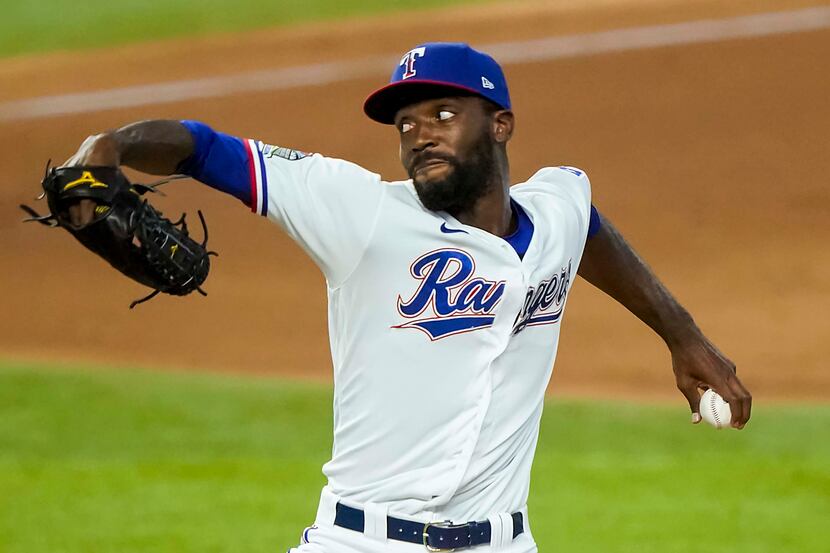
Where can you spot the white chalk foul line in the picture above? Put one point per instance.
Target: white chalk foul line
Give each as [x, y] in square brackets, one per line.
[654, 36]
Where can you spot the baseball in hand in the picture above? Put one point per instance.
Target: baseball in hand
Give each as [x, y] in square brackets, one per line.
[714, 410]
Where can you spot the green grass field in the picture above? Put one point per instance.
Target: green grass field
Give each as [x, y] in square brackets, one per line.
[133, 461]
[46, 25]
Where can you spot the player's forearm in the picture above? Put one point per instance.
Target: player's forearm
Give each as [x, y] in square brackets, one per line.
[611, 264]
[156, 147]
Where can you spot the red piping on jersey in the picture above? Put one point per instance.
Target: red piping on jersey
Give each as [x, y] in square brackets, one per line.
[252, 172]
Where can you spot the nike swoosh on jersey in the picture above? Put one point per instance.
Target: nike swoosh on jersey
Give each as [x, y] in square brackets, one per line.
[446, 230]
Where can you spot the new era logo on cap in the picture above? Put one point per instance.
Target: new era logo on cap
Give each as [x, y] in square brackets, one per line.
[434, 68]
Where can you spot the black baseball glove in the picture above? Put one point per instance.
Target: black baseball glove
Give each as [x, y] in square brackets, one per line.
[126, 230]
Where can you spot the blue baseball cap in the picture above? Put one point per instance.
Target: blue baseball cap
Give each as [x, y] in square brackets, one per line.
[435, 70]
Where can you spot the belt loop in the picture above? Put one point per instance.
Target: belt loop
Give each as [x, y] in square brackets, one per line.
[327, 508]
[375, 521]
[507, 528]
[501, 531]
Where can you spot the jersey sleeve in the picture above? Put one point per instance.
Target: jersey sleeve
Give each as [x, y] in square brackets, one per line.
[328, 206]
[595, 222]
[571, 190]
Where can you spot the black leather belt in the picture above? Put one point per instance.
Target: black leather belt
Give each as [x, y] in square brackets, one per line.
[435, 536]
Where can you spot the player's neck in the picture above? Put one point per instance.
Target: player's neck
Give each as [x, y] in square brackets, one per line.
[492, 212]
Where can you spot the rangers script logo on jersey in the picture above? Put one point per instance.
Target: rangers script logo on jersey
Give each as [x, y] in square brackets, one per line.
[544, 303]
[451, 297]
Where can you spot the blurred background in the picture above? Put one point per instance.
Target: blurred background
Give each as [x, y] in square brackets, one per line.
[201, 423]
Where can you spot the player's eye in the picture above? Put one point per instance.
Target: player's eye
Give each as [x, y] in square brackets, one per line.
[405, 127]
[444, 114]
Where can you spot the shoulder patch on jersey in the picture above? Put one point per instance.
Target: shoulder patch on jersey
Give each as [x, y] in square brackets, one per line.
[269, 151]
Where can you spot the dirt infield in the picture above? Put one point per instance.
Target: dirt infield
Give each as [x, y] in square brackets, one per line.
[711, 158]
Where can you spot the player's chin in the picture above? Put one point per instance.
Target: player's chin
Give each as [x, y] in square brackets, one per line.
[432, 188]
[433, 176]
[436, 196]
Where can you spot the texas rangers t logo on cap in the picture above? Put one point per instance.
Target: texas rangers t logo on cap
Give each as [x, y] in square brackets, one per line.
[451, 68]
[408, 61]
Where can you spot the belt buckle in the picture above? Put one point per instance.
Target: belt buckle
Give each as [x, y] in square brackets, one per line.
[438, 524]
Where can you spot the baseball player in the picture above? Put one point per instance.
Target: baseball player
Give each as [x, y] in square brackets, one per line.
[446, 296]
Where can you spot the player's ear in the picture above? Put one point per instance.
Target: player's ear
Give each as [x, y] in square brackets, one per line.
[503, 123]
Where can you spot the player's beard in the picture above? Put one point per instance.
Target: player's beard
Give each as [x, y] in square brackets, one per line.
[465, 182]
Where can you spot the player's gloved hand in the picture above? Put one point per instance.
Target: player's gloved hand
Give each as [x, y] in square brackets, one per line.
[95, 202]
[699, 365]
[97, 150]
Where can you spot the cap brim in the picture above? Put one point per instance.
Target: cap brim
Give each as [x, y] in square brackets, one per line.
[384, 103]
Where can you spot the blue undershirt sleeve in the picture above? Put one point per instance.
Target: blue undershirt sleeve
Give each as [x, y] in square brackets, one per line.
[219, 160]
[595, 222]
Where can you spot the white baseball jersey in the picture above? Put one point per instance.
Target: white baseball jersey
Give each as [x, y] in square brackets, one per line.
[442, 338]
